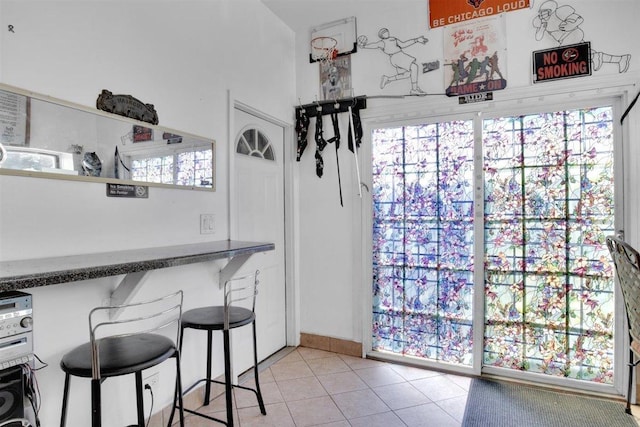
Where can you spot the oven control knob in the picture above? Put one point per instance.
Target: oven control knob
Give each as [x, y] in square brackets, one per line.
[26, 322]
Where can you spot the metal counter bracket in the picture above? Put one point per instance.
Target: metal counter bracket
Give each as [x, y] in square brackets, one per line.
[131, 283]
[127, 289]
[232, 268]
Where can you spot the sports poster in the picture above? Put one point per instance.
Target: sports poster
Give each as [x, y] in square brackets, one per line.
[450, 12]
[335, 78]
[475, 57]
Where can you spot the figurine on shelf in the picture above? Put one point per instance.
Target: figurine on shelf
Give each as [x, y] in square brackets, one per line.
[91, 164]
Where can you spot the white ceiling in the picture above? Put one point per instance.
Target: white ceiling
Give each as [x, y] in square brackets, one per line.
[302, 15]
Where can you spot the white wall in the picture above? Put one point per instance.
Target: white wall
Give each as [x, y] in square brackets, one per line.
[183, 57]
[333, 292]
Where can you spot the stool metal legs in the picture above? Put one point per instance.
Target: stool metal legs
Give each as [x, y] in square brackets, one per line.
[227, 377]
[255, 372]
[96, 419]
[139, 398]
[178, 393]
[63, 416]
[207, 390]
[228, 384]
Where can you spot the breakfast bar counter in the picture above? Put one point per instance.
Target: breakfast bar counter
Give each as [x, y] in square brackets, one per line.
[133, 263]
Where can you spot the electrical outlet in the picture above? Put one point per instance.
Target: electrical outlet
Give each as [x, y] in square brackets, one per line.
[152, 380]
[207, 223]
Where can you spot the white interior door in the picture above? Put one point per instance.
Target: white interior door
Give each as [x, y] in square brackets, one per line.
[258, 215]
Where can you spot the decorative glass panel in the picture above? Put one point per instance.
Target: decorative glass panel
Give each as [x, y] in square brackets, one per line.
[254, 143]
[423, 241]
[548, 206]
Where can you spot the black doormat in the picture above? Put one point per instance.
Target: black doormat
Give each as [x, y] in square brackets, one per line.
[498, 404]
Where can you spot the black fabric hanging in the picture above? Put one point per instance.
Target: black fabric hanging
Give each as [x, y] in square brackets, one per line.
[320, 144]
[336, 140]
[302, 127]
[357, 128]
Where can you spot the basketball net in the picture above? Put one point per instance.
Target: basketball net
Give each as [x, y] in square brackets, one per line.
[324, 50]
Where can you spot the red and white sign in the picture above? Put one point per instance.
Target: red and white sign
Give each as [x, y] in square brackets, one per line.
[448, 12]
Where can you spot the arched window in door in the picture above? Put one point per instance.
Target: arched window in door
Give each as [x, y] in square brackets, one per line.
[254, 143]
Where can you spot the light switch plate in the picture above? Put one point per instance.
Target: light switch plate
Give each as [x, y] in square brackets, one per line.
[207, 223]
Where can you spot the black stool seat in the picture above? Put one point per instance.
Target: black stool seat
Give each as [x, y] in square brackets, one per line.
[119, 356]
[126, 339]
[212, 318]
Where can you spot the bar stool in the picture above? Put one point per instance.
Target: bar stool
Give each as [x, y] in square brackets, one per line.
[126, 339]
[223, 318]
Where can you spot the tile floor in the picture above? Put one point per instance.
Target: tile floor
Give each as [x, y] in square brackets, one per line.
[309, 387]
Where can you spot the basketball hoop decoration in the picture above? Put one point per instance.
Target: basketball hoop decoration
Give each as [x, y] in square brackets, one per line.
[331, 46]
[324, 49]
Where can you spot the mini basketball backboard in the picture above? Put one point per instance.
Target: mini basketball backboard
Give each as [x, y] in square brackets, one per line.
[333, 39]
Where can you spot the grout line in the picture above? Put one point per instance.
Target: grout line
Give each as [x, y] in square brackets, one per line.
[266, 363]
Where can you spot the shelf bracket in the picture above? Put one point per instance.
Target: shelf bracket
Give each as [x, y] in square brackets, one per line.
[127, 289]
[232, 268]
[132, 282]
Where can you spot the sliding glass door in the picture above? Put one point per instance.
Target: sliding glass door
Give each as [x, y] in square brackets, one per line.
[423, 241]
[547, 191]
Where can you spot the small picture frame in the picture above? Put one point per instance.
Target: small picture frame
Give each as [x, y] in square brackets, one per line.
[141, 133]
[335, 78]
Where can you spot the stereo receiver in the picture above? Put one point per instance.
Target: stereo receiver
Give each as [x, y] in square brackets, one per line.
[16, 328]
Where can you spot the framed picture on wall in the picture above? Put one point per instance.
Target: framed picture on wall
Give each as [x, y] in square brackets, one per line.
[335, 78]
[15, 111]
[141, 133]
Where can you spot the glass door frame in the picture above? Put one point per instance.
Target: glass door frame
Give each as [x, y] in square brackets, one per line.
[499, 109]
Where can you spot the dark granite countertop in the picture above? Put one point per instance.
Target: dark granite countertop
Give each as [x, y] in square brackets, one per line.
[31, 273]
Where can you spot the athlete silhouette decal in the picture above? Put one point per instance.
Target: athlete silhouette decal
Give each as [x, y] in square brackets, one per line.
[404, 65]
[562, 24]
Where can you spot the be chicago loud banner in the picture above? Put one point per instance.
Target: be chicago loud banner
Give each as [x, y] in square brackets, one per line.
[447, 12]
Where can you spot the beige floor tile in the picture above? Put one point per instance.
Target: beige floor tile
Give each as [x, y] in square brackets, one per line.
[360, 363]
[277, 416]
[312, 353]
[335, 424]
[328, 365]
[454, 406]
[197, 421]
[217, 405]
[402, 395]
[301, 388]
[341, 382]
[360, 403]
[386, 419]
[264, 375]
[290, 371]
[426, 415]
[194, 421]
[461, 380]
[294, 356]
[270, 394]
[309, 387]
[411, 373]
[379, 376]
[439, 388]
[316, 411]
